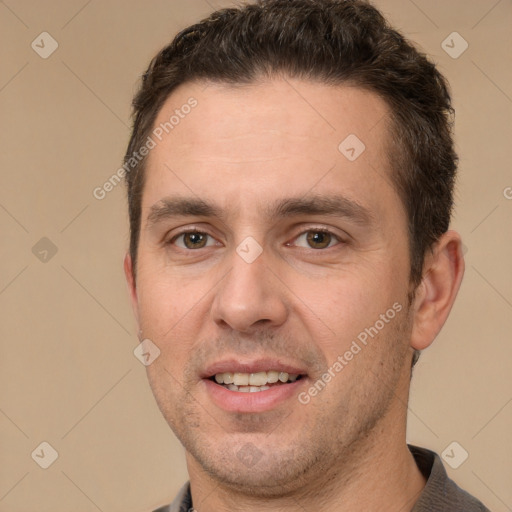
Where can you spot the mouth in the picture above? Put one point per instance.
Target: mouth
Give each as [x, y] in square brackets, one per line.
[252, 387]
[254, 382]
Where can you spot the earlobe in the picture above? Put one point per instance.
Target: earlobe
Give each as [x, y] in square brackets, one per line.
[130, 279]
[442, 275]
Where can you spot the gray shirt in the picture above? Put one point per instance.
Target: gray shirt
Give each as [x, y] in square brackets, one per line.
[440, 494]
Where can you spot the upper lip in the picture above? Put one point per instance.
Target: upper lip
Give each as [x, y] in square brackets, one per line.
[255, 366]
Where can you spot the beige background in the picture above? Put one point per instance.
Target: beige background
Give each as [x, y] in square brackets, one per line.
[68, 375]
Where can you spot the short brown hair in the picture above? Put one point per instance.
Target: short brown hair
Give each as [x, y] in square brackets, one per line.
[334, 42]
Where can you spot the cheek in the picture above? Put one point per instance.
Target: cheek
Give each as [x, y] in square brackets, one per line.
[157, 305]
[172, 312]
[161, 306]
[347, 304]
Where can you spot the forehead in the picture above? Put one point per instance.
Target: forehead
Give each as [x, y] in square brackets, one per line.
[266, 138]
[317, 112]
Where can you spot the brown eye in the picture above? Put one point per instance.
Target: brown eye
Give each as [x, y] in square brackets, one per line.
[192, 240]
[318, 239]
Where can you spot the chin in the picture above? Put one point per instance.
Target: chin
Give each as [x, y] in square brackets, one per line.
[262, 483]
[254, 464]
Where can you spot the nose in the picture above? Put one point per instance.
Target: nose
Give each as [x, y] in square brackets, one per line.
[250, 296]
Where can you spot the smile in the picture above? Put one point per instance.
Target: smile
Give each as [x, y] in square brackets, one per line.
[253, 382]
[237, 385]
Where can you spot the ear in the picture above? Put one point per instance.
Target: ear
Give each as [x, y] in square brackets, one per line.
[130, 279]
[442, 275]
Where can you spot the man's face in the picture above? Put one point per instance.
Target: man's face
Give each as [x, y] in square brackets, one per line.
[270, 285]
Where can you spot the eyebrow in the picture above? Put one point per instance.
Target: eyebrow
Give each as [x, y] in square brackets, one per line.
[330, 205]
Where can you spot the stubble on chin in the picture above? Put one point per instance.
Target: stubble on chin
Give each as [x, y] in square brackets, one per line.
[269, 454]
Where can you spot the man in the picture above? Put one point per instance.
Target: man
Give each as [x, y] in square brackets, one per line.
[290, 178]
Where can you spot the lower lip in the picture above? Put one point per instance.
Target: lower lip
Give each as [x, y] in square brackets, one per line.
[258, 401]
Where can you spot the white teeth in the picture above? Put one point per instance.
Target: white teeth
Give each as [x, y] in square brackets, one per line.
[252, 382]
[272, 377]
[258, 379]
[247, 389]
[240, 379]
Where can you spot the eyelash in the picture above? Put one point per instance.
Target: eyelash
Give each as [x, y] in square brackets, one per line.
[310, 230]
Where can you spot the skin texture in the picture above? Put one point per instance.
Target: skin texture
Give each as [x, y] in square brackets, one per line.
[302, 302]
